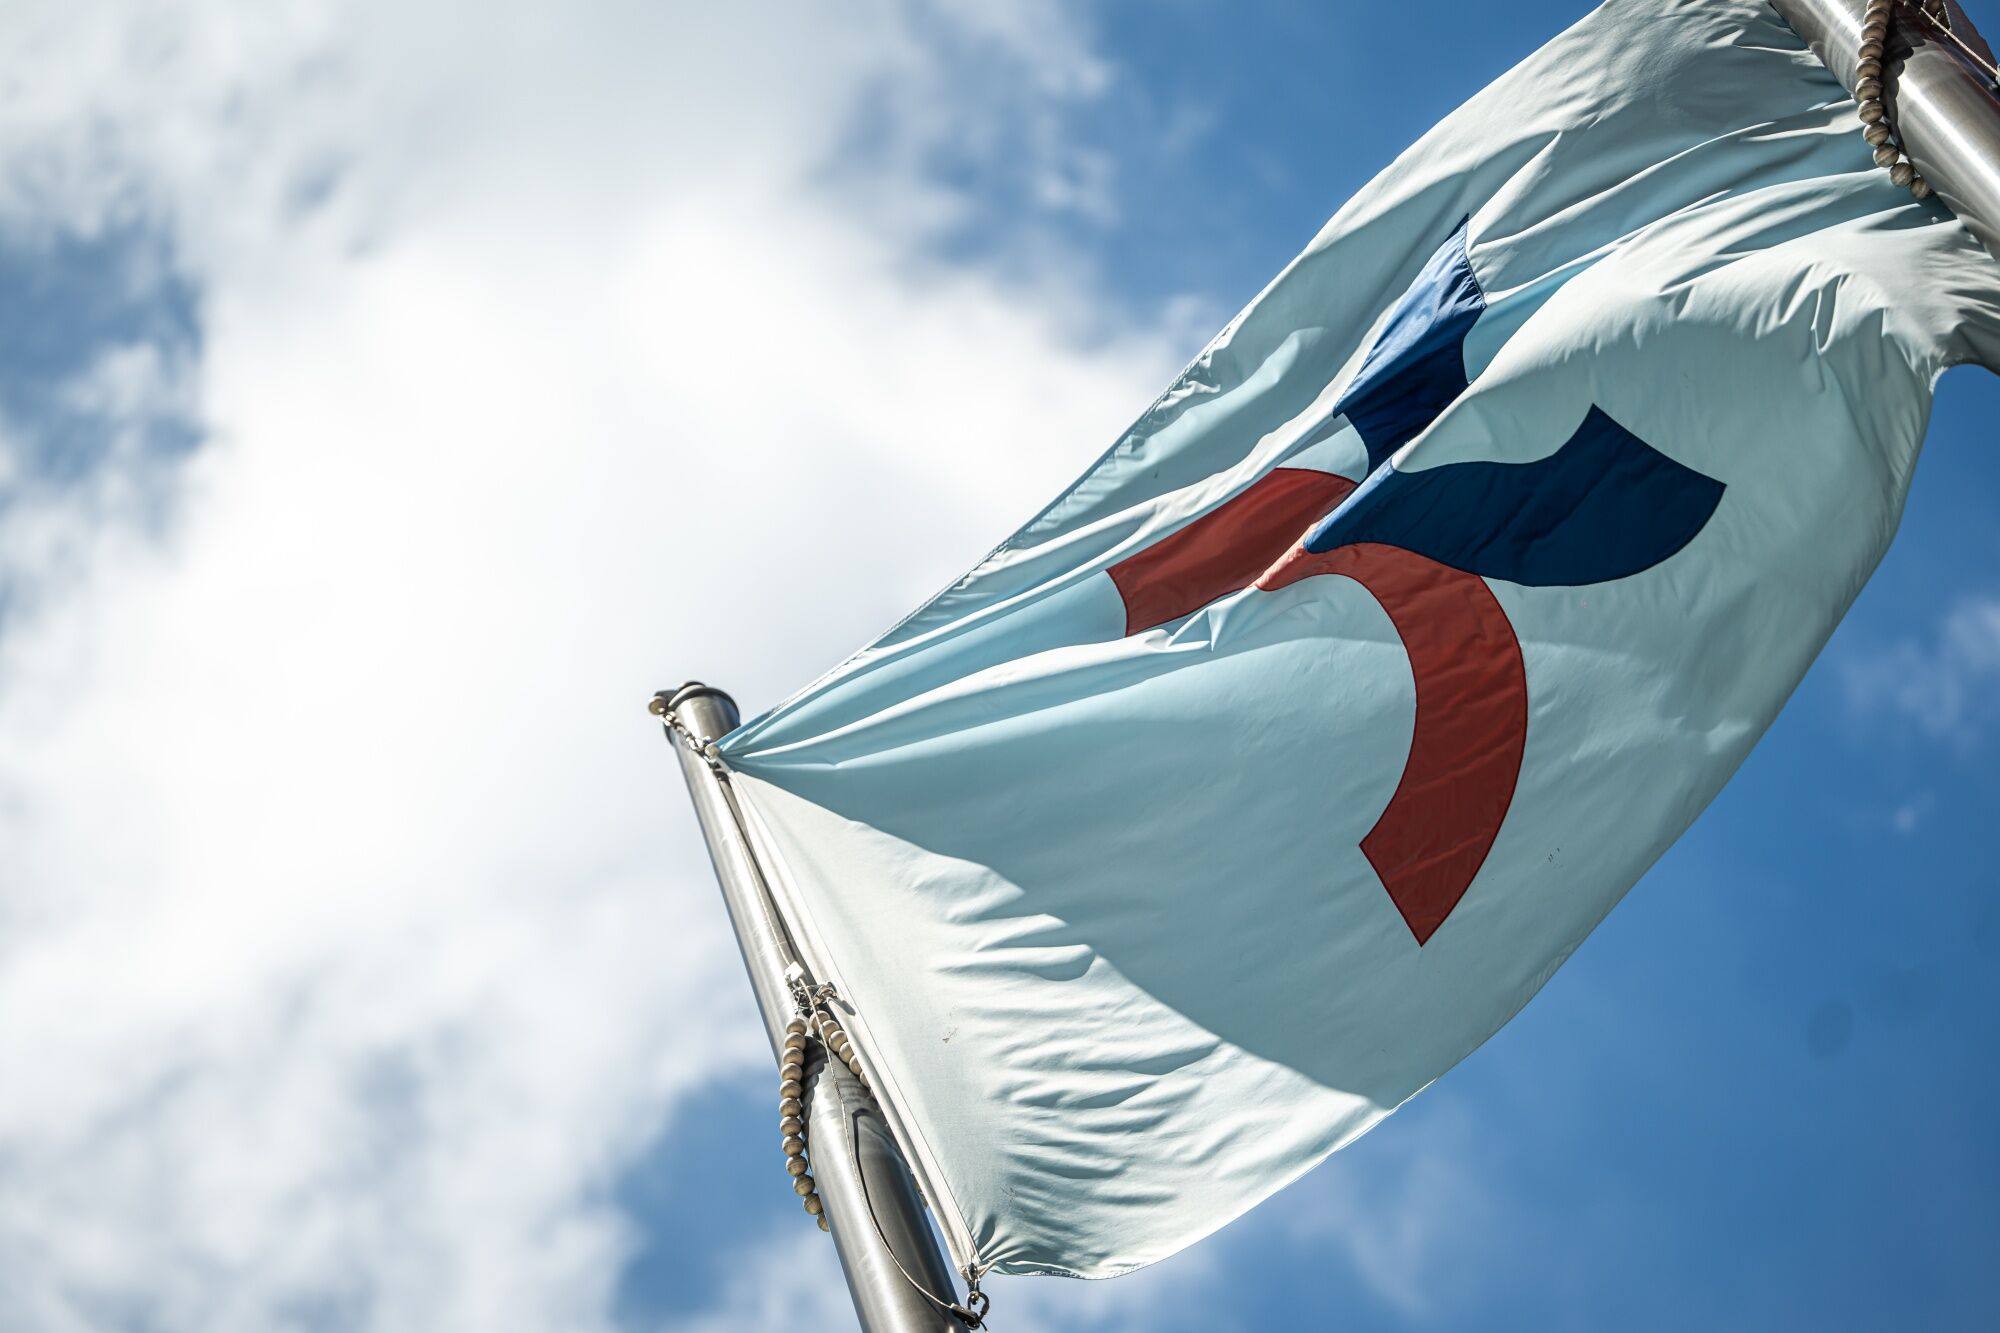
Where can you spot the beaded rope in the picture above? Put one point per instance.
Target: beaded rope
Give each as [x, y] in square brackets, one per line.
[1879, 133]
[792, 1118]
[808, 1039]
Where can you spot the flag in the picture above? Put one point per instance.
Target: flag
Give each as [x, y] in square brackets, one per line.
[1281, 759]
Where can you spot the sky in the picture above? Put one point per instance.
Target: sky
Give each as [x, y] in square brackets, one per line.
[393, 397]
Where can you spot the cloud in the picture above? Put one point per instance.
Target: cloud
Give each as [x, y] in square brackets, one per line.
[1941, 684]
[1906, 817]
[354, 939]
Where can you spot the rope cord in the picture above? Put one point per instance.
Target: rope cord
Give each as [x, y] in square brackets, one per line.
[1940, 16]
[703, 748]
[973, 1313]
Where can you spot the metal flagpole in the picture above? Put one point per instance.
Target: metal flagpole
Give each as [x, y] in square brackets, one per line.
[1938, 88]
[872, 1206]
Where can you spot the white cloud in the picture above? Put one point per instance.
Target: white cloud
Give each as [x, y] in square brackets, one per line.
[353, 940]
[1943, 687]
[1906, 817]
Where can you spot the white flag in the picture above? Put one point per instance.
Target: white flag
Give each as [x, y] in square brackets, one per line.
[1277, 763]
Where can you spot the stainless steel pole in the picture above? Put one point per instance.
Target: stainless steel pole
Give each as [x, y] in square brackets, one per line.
[1944, 110]
[872, 1204]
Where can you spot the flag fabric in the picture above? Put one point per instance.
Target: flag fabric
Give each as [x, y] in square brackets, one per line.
[1279, 761]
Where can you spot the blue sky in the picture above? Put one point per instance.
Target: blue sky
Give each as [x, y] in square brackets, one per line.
[386, 409]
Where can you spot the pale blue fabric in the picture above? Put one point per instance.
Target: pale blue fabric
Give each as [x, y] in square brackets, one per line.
[1099, 900]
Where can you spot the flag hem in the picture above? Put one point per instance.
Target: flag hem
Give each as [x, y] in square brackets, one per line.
[903, 1128]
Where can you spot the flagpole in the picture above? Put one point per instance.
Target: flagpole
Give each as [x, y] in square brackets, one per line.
[880, 1232]
[1941, 102]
